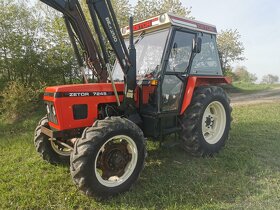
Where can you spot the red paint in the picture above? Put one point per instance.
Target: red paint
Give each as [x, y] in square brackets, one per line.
[198, 25]
[64, 105]
[188, 93]
[194, 82]
[144, 25]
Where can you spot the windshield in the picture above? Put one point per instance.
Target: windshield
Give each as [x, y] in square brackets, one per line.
[149, 50]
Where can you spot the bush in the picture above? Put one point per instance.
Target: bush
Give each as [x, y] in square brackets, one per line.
[18, 100]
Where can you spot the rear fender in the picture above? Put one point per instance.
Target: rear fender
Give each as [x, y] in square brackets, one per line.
[196, 81]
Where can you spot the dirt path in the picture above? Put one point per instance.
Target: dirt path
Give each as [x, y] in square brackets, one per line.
[265, 96]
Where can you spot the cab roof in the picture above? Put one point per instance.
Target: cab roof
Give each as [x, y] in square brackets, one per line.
[167, 20]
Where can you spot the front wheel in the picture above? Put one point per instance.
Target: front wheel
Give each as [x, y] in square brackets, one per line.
[50, 150]
[206, 123]
[109, 157]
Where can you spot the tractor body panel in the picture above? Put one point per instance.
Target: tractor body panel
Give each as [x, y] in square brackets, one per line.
[76, 106]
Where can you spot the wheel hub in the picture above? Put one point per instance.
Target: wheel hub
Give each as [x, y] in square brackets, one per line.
[113, 160]
[209, 121]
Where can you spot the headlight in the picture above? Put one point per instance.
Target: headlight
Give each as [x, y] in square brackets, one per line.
[48, 109]
[53, 110]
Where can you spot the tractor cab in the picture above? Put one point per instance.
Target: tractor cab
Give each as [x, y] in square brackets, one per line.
[172, 52]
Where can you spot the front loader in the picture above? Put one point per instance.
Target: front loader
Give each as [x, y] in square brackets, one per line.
[166, 80]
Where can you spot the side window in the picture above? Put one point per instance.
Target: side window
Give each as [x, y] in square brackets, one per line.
[207, 61]
[181, 50]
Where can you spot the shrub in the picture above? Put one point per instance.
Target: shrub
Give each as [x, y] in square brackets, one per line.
[18, 100]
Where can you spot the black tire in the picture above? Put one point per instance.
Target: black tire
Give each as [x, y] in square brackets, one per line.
[87, 154]
[192, 121]
[44, 146]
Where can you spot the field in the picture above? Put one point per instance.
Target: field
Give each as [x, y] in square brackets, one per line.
[249, 88]
[245, 175]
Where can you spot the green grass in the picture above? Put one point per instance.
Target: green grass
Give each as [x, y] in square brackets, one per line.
[245, 175]
[243, 87]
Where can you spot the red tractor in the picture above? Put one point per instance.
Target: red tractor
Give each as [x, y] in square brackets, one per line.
[165, 80]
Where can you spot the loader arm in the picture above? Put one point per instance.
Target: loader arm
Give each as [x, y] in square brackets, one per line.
[73, 13]
[102, 12]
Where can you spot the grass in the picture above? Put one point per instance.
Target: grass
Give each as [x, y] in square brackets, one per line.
[245, 175]
[247, 88]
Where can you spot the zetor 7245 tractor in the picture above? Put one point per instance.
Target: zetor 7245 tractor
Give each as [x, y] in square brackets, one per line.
[165, 81]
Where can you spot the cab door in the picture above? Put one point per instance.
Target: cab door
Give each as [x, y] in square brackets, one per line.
[176, 65]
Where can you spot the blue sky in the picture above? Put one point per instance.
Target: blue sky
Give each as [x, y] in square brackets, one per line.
[258, 22]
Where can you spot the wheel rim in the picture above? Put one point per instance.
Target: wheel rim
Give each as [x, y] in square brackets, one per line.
[116, 161]
[213, 122]
[63, 151]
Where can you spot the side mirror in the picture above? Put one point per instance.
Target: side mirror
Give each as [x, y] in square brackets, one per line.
[197, 45]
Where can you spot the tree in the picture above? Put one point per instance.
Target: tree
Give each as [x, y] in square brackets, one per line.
[123, 11]
[34, 50]
[241, 74]
[34, 44]
[176, 7]
[148, 8]
[270, 79]
[60, 66]
[19, 43]
[230, 48]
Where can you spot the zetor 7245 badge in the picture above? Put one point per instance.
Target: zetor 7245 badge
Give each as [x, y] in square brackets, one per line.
[85, 94]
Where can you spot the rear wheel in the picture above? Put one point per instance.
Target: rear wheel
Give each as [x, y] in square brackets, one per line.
[50, 150]
[206, 123]
[109, 157]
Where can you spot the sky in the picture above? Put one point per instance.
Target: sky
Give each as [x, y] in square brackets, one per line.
[258, 22]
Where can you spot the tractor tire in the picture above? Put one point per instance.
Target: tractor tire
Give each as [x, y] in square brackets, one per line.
[109, 157]
[206, 122]
[47, 148]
